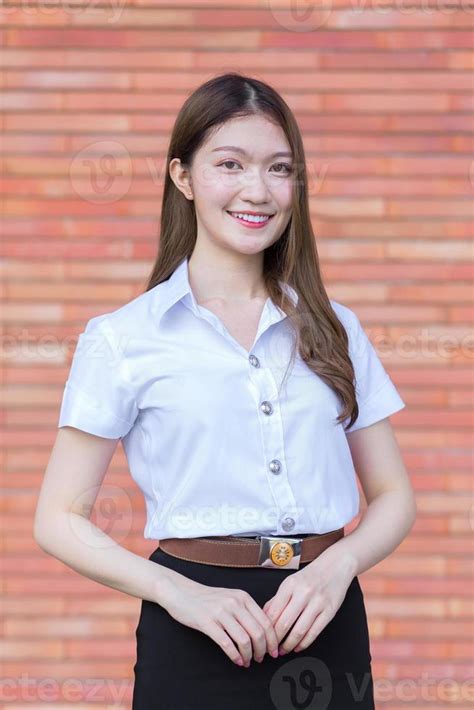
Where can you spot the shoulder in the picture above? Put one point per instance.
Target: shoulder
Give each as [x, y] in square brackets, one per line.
[128, 323]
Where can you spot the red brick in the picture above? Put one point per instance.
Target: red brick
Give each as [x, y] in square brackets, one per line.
[384, 101]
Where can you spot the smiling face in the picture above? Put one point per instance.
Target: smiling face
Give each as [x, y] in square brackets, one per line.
[244, 168]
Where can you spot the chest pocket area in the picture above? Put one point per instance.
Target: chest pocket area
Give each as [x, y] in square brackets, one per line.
[310, 395]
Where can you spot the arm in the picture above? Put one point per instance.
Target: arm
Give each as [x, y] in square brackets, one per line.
[391, 504]
[307, 600]
[62, 527]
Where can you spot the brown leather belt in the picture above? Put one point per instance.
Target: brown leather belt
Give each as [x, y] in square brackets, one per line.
[275, 552]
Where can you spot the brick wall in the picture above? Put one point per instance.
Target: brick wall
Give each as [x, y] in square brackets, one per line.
[383, 95]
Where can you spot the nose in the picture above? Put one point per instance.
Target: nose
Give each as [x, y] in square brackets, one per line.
[255, 188]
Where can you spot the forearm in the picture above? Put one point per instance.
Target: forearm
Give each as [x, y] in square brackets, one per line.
[386, 522]
[87, 549]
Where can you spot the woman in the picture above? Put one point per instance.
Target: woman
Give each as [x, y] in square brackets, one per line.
[246, 401]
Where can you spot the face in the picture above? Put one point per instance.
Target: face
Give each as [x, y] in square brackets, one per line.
[252, 178]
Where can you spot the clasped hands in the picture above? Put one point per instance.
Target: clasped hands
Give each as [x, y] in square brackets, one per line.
[308, 599]
[304, 603]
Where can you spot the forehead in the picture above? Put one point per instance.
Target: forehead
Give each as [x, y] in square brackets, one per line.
[256, 135]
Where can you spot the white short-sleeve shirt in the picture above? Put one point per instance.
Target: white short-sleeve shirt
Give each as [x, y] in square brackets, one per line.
[215, 439]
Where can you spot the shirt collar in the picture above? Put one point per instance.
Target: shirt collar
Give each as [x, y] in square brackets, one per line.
[177, 287]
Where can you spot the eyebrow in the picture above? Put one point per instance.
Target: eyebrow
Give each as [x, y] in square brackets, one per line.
[281, 154]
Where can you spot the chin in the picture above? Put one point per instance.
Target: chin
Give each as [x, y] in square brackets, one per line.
[248, 249]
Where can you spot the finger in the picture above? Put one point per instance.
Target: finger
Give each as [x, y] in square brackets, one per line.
[287, 618]
[271, 644]
[255, 630]
[313, 632]
[267, 604]
[303, 624]
[277, 604]
[218, 634]
[238, 634]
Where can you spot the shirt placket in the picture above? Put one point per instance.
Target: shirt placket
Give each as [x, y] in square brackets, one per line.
[268, 412]
[271, 426]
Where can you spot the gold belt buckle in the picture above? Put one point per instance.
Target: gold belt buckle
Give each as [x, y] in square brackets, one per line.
[280, 552]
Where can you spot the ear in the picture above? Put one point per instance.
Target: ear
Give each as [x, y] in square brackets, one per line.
[180, 175]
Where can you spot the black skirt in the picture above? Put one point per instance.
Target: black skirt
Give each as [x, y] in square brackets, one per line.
[180, 668]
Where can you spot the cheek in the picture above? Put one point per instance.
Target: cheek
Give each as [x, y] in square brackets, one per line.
[212, 186]
[284, 195]
[215, 196]
[282, 192]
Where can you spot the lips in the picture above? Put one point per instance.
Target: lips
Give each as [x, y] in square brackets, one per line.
[251, 225]
[251, 214]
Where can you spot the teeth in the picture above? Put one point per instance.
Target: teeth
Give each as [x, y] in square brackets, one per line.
[250, 218]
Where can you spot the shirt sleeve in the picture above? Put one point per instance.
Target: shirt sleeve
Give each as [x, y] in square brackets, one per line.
[377, 396]
[98, 397]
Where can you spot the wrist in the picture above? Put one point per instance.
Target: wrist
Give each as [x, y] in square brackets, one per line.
[166, 585]
[348, 558]
[341, 557]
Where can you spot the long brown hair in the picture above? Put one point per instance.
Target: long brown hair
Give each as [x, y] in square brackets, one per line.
[321, 338]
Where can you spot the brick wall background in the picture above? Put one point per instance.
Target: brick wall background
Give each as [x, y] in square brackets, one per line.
[383, 95]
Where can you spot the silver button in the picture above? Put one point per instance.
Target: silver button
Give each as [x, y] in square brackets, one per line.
[288, 524]
[275, 466]
[266, 407]
[253, 359]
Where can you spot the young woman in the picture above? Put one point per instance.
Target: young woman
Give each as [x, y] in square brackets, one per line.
[246, 401]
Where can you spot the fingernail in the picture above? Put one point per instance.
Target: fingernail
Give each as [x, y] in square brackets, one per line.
[275, 653]
[259, 660]
[282, 651]
[240, 662]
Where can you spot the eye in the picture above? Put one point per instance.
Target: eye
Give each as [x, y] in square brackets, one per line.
[287, 167]
[226, 162]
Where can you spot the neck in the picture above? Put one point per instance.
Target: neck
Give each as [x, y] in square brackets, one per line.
[229, 279]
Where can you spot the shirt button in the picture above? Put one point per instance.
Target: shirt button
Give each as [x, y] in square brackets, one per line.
[253, 359]
[266, 407]
[288, 524]
[275, 466]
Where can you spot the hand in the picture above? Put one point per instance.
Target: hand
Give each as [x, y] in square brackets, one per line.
[227, 616]
[311, 597]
